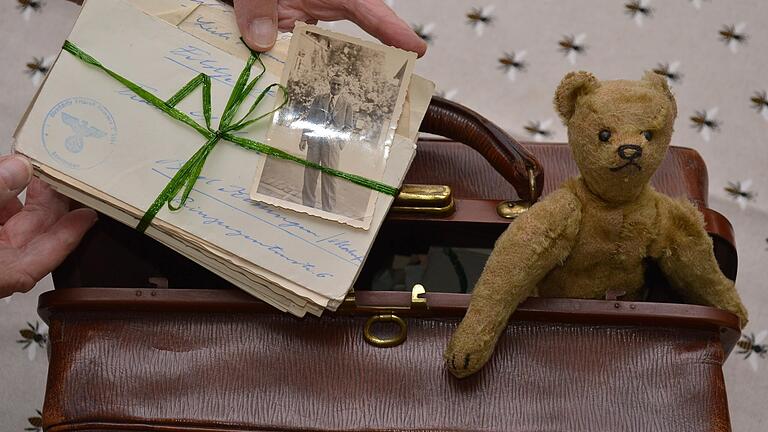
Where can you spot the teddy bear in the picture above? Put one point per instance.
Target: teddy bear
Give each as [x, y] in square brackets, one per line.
[596, 232]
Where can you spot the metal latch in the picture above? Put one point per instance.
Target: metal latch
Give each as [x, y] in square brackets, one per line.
[418, 302]
[424, 199]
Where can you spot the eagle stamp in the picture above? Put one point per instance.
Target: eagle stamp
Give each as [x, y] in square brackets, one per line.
[79, 133]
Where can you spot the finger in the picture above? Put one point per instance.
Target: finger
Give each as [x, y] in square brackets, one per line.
[46, 251]
[43, 208]
[10, 209]
[380, 21]
[15, 174]
[257, 20]
[42, 197]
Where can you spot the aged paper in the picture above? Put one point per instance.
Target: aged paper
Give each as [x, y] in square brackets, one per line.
[96, 141]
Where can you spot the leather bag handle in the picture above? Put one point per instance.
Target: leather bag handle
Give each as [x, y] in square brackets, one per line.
[507, 156]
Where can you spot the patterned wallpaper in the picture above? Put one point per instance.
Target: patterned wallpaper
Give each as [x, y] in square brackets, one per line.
[504, 59]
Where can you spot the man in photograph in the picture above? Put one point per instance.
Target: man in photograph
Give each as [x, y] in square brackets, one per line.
[332, 114]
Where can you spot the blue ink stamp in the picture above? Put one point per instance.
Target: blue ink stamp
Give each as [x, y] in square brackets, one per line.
[79, 132]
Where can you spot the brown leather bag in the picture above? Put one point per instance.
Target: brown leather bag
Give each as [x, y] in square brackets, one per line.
[143, 339]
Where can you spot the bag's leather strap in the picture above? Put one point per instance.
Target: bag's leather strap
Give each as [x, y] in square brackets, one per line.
[518, 166]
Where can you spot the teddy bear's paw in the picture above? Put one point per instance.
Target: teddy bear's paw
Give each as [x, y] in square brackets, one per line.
[463, 363]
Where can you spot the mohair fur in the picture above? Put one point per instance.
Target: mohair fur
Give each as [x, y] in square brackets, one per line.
[595, 233]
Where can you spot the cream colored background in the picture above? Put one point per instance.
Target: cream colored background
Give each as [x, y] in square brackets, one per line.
[466, 67]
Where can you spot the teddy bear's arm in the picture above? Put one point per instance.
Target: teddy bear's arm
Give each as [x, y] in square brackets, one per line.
[533, 245]
[687, 259]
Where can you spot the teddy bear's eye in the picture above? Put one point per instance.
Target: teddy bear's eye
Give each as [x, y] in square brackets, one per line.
[604, 135]
[648, 135]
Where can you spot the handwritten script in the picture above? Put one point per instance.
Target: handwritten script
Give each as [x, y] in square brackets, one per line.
[336, 244]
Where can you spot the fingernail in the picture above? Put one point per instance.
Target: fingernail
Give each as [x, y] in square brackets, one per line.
[15, 172]
[263, 32]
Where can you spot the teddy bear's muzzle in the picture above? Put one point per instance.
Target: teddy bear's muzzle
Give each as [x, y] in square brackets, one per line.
[630, 153]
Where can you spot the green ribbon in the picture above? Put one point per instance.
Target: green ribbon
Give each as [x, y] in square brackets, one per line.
[187, 175]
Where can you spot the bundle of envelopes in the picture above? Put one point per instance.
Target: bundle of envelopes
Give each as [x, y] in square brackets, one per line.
[292, 231]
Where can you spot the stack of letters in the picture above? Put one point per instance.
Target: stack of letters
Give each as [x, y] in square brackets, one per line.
[291, 224]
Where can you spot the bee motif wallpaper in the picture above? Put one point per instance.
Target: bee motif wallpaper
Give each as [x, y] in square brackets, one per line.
[504, 59]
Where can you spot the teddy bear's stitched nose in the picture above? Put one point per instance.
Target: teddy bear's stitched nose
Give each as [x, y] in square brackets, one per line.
[630, 151]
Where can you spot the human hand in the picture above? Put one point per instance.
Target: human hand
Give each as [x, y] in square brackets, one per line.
[36, 236]
[303, 144]
[259, 20]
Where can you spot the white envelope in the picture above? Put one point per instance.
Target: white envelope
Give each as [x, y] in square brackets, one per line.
[96, 141]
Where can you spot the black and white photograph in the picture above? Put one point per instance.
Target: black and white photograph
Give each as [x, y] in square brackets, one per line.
[345, 97]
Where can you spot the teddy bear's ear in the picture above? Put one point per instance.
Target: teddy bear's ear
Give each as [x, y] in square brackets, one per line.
[658, 82]
[572, 86]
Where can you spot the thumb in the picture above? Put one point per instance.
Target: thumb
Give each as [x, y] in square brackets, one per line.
[257, 20]
[15, 174]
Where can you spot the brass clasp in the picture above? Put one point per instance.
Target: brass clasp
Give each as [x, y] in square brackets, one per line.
[418, 302]
[436, 200]
[388, 342]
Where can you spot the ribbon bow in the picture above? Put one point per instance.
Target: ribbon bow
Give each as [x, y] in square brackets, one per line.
[187, 175]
